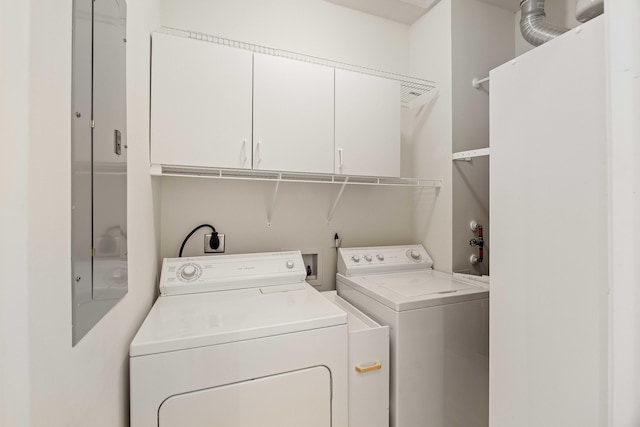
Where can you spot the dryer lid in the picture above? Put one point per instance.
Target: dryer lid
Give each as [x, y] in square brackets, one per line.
[181, 322]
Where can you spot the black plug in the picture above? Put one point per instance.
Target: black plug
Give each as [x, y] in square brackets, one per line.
[214, 242]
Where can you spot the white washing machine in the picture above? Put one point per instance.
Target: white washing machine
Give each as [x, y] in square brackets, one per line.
[242, 341]
[439, 331]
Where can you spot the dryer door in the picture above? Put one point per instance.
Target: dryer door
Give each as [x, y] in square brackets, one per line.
[292, 399]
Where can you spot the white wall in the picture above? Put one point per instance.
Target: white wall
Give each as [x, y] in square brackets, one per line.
[366, 216]
[431, 57]
[14, 116]
[61, 385]
[482, 40]
[624, 175]
[312, 27]
[454, 42]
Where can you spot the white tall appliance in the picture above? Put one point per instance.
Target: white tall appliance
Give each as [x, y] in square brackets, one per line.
[438, 327]
[548, 364]
[242, 341]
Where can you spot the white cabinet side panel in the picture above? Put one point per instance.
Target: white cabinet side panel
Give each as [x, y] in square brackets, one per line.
[293, 115]
[299, 398]
[548, 326]
[624, 73]
[369, 391]
[200, 103]
[367, 125]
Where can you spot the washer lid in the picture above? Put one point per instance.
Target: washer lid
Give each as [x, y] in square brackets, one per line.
[415, 289]
[181, 322]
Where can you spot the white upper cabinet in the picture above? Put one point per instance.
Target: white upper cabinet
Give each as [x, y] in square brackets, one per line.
[216, 106]
[367, 125]
[293, 115]
[200, 103]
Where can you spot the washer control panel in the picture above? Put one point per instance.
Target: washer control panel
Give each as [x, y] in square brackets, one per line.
[225, 272]
[382, 259]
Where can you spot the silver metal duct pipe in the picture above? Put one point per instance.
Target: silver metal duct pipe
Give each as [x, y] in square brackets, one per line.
[532, 23]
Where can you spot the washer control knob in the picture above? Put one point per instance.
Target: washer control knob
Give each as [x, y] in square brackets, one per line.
[188, 272]
[380, 257]
[290, 264]
[415, 255]
[355, 258]
[368, 258]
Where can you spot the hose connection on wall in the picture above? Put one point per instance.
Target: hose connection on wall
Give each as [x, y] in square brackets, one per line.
[477, 242]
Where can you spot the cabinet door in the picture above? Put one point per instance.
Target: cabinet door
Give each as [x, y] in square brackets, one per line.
[200, 103]
[291, 399]
[293, 115]
[367, 138]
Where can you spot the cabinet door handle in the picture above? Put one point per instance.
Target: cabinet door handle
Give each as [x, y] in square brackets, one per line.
[340, 158]
[244, 151]
[258, 158]
[374, 367]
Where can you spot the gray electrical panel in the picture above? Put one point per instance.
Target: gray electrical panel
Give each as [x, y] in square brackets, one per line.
[99, 161]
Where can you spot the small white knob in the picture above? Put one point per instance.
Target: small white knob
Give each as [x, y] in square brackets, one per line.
[380, 257]
[290, 264]
[118, 274]
[188, 272]
[355, 258]
[415, 254]
[368, 258]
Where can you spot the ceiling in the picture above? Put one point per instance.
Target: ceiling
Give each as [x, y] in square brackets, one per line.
[403, 11]
[510, 5]
[408, 11]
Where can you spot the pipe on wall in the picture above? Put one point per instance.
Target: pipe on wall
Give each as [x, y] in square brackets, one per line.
[533, 23]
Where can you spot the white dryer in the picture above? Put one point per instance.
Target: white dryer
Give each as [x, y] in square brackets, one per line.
[439, 331]
[239, 340]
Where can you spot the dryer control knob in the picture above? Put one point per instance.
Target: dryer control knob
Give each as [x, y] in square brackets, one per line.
[188, 272]
[290, 264]
[368, 258]
[415, 255]
[355, 258]
[380, 257]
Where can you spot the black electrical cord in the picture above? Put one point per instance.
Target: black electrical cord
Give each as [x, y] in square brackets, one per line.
[214, 243]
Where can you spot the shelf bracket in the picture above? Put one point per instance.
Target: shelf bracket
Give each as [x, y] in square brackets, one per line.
[272, 205]
[466, 156]
[335, 204]
[156, 170]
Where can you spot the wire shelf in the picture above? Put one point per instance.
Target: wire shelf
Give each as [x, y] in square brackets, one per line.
[412, 88]
[242, 174]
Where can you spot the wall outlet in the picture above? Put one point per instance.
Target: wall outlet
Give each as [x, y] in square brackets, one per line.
[207, 248]
[332, 238]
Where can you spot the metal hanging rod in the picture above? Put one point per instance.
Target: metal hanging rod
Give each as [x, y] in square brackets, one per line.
[477, 82]
[411, 87]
